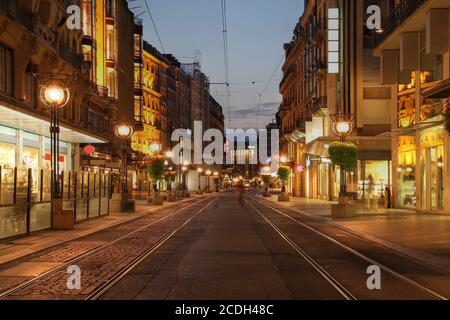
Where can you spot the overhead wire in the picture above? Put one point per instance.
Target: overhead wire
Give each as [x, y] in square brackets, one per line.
[265, 88]
[226, 57]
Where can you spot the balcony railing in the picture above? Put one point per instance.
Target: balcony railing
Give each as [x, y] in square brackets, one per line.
[70, 56]
[318, 30]
[398, 15]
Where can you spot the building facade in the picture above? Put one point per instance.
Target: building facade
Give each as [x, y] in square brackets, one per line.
[312, 92]
[36, 44]
[414, 53]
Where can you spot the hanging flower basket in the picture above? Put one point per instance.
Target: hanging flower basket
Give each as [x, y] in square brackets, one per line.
[344, 155]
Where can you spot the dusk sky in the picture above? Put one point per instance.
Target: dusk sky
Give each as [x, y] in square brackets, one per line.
[257, 30]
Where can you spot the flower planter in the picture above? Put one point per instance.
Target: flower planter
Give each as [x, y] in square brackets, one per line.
[284, 197]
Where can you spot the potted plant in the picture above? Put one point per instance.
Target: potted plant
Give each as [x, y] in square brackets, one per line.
[283, 174]
[156, 171]
[344, 155]
[267, 180]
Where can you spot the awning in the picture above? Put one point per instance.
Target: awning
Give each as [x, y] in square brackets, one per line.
[380, 143]
[34, 124]
[439, 91]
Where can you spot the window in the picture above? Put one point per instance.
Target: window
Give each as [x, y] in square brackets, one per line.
[6, 74]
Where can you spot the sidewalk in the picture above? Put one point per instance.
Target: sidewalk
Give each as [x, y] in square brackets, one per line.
[17, 248]
[425, 237]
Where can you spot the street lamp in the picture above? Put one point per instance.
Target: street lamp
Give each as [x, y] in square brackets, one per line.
[155, 147]
[54, 97]
[342, 127]
[169, 154]
[124, 131]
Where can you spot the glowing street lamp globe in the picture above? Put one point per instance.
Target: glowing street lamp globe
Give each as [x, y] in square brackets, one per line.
[199, 170]
[343, 128]
[124, 131]
[155, 147]
[216, 174]
[342, 124]
[208, 172]
[169, 154]
[54, 96]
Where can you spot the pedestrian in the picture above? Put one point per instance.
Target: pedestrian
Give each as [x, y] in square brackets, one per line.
[370, 190]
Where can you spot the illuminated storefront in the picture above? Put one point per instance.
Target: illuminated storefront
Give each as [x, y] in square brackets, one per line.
[26, 150]
[406, 171]
[374, 176]
[432, 168]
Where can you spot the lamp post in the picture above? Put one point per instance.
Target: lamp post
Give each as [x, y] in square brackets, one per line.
[55, 97]
[124, 131]
[342, 127]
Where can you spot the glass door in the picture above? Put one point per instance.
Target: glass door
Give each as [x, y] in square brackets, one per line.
[433, 178]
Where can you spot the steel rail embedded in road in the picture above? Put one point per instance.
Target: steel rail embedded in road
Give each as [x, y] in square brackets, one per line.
[99, 292]
[410, 282]
[93, 251]
[313, 263]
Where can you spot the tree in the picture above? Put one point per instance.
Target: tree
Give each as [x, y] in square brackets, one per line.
[156, 171]
[283, 174]
[344, 155]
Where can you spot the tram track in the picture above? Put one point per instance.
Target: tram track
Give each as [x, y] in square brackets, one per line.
[10, 292]
[316, 265]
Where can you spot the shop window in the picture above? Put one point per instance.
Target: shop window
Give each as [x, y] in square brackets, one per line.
[407, 171]
[7, 155]
[6, 72]
[30, 158]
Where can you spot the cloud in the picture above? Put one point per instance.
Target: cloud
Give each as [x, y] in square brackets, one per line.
[246, 116]
[266, 110]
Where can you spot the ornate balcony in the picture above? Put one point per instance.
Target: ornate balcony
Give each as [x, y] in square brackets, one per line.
[398, 15]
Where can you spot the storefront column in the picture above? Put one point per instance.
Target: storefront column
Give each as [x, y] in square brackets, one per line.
[76, 157]
[41, 152]
[19, 148]
[446, 172]
[419, 160]
[395, 201]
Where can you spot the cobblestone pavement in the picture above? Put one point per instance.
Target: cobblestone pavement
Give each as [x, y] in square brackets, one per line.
[99, 255]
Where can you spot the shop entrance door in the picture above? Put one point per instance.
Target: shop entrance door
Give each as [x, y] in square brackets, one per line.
[433, 178]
